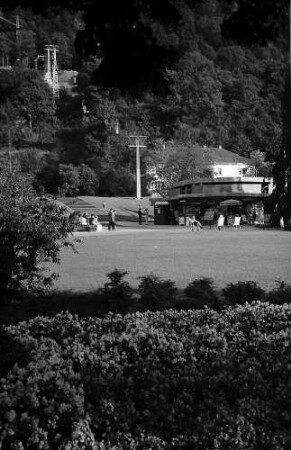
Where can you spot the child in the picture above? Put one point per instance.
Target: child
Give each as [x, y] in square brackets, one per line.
[196, 223]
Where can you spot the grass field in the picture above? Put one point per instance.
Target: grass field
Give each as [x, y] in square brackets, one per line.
[177, 254]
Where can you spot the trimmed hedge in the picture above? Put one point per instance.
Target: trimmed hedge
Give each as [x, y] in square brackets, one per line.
[155, 380]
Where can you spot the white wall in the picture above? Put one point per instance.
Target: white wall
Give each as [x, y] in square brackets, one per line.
[229, 170]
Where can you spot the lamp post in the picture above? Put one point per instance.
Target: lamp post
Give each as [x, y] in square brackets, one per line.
[138, 144]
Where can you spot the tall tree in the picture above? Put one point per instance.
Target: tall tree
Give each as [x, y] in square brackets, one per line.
[171, 162]
[265, 22]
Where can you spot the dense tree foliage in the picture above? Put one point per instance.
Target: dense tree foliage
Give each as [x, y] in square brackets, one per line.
[172, 162]
[32, 232]
[53, 25]
[27, 108]
[192, 72]
[269, 21]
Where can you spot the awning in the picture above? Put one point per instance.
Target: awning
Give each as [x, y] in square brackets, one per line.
[231, 202]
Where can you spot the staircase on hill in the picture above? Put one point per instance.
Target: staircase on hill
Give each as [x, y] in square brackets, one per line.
[126, 207]
[82, 206]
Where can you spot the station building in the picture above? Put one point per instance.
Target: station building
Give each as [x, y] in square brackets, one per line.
[233, 189]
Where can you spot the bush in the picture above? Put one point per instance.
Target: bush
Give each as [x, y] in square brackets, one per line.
[156, 293]
[241, 292]
[117, 291]
[279, 295]
[200, 292]
[32, 232]
[160, 380]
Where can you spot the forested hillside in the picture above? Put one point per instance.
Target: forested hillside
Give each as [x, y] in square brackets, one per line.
[187, 72]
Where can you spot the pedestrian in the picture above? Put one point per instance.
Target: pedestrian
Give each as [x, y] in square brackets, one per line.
[84, 220]
[139, 212]
[282, 224]
[113, 219]
[110, 224]
[146, 215]
[195, 223]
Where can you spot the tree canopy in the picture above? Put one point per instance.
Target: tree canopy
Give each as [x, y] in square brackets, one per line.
[192, 72]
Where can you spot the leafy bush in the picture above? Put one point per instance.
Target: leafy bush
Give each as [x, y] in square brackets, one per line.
[32, 232]
[158, 380]
[241, 292]
[200, 292]
[155, 293]
[279, 295]
[117, 291]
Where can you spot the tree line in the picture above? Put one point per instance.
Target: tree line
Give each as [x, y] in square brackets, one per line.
[185, 74]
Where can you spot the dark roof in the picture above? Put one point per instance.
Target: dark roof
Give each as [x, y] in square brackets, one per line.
[220, 180]
[219, 155]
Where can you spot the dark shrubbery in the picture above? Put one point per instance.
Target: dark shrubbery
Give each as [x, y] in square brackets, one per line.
[199, 293]
[279, 295]
[156, 293]
[117, 292]
[241, 292]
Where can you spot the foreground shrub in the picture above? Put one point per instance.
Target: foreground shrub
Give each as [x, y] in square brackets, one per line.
[155, 380]
[199, 293]
[279, 295]
[156, 293]
[32, 233]
[241, 292]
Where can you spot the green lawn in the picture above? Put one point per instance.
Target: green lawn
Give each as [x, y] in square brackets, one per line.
[177, 254]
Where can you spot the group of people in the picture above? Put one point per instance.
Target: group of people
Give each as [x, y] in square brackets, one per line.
[89, 220]
[195, 224]
[145, 214]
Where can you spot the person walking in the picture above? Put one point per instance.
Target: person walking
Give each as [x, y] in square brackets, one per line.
[139, 212]
[110, 223]
[113, 219]
[282, 224]
[146, 215]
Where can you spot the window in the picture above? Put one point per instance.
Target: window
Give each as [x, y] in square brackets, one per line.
[265, 187]
[243, 171]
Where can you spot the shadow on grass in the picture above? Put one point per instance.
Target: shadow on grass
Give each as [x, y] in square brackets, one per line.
[87, 304]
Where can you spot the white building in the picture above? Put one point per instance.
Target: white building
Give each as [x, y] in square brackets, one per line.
[227, 164]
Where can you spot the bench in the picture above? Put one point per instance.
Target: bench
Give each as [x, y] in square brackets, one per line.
[85, 228]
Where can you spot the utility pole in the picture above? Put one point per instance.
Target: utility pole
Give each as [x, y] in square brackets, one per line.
[138, 144]
[17, 26]
[51, 70]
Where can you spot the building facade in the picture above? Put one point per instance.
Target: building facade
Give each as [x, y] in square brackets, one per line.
[232, 190]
